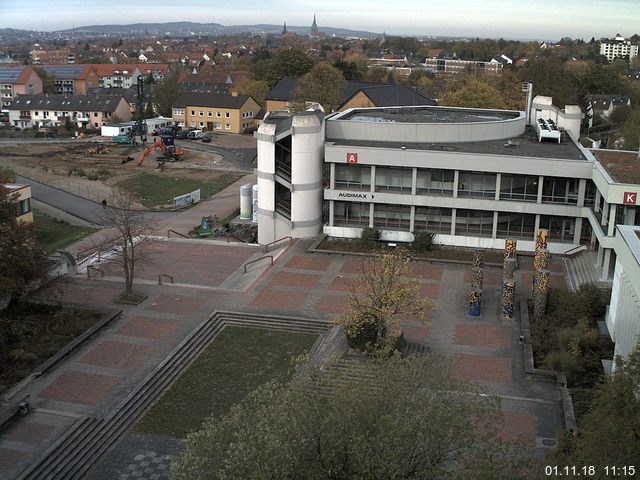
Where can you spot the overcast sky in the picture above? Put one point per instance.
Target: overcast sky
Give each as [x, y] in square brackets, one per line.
[528, 19]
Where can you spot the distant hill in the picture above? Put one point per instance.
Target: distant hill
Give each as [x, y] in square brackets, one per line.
[193, 28]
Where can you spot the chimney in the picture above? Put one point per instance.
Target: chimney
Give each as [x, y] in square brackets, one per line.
[234, 93]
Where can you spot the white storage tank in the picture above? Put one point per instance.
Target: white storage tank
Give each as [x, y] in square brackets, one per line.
[245, 202]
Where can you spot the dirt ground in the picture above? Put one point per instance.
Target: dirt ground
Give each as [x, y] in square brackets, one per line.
[68, 166]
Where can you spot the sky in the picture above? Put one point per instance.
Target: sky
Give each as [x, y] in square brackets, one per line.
[513, 19]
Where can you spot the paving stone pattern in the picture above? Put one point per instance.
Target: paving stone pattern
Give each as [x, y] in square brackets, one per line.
[104, 370]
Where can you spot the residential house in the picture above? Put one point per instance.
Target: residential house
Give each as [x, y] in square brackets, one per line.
[59, 56]
[214, 112]
[73, 79]
[117, 75]
[22, 198]
[84, 111]
[18, 80]
[354, 95]
[618, 47]
[604, 105]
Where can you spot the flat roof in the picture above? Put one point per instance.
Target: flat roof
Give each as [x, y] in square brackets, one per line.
[525, 145]
[427, 114]
[631, 236]
[622, 166]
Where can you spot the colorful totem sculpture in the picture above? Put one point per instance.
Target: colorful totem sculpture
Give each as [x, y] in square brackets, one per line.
[508, 295]
[540, 294]
[508, 278]
[475, 297]
[478, 259]
[541, 238]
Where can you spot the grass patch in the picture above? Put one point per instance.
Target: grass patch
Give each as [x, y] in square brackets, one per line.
[55, 234]
[237, 361]
[31, 333]
[156, 190]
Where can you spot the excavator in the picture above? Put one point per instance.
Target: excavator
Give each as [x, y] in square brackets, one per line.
[169, 152]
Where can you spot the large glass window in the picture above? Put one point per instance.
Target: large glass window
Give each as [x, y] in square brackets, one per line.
[351, 214]
[476, 223]
[477, 184]
[560, 190]
[561, 229]
[435, 220]
[393, 179]
[519, 187]
[283, 200]
[435, 181]
[515, 225]
[590, 194]
[352, 177]
[394, 217]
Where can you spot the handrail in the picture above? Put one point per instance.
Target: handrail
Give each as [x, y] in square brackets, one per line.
[164, 275]
[90, 267]
[571, 250]
[257, 259]
[266, 247]
[177, 233]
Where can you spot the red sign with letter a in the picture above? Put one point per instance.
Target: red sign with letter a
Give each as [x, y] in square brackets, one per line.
[630, 198]
[352, 157]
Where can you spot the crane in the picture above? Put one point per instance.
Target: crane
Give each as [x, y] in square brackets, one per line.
[175, 154]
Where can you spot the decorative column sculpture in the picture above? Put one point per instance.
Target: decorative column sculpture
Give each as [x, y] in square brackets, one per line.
[540, 294]
[508, 295]
[475, 297]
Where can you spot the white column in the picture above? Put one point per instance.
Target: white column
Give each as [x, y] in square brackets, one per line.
[331, 212]
[373, 179]
[494, 231]
[540, 183]
[412, 218]
[456, 177]
[582, 191]
[414, 182]
[605, 264]
[453, 218]
[498, 180]
[371, 215]
[577, 231]
[332, 176]
[612, 220]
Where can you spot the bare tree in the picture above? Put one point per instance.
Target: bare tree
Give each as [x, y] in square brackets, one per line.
[130, 228]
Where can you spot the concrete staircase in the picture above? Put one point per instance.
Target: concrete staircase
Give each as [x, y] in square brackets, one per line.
[581, 270]
[82, 445]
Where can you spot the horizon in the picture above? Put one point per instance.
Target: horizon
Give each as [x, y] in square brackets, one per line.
[546, 20]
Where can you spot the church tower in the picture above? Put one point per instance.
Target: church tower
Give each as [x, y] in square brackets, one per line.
[314, 27]
[284, 29]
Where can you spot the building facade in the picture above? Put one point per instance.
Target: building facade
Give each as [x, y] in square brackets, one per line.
[72, 79]
[21, 194]
[618, 47]
[216, 112]
[18, 80]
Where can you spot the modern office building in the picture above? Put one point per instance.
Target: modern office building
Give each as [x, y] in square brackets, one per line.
[618, 47]
[472, 177]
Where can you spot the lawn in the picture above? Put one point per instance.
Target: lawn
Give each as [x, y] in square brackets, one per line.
[55, 234]
[156, 190]
[237, 361]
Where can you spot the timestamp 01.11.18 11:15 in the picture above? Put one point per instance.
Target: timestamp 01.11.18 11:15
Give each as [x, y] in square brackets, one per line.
[586, 471]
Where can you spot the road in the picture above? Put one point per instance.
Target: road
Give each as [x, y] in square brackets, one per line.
[237, 159]
[73, 204]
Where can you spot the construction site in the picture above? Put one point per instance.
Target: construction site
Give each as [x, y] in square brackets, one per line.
[91, 169]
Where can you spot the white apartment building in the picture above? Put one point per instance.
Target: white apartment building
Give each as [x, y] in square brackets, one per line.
[618, 47]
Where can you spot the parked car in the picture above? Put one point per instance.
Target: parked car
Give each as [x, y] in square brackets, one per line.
[207, 137]
[182, 134]
[195, 134]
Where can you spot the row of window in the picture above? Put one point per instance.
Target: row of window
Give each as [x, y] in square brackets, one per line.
[475, 223]
[470, 184]
[58, 114]
[217, 126]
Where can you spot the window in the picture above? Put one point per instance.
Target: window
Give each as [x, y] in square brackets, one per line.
[476, 223]
[561, 229]
[192, 124]
[36, 113]
[218, 115]
[477, 184]
[515, 225]
[193, 112]
[590, 194]
[560, 190]
[201, 124]
[95, 114]
[435, 181]
[209, 114]
[394, 217]
[352, 177]
[435, 220]
[227, 126]
[519, 187]
[201, 113]
[393, 179]
[351, 214]
[23, 206]
[227, 115]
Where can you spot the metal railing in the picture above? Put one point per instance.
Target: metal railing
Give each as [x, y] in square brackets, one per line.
[270, 257]
[177, 233]
[573, 250]
[164, 275]
[266, 247]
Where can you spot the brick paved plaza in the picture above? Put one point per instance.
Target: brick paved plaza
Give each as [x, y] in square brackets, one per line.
[104, 370]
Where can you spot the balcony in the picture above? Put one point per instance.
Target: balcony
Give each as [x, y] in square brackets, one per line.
[25, 117]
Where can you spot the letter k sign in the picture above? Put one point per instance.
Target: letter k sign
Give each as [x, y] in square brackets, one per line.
[630, 198]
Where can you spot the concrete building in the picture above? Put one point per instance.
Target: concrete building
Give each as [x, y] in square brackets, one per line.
[88, 111]
[72, 79]
[472, 177]
[623, 313]
[22, 197]
[618, 47]
[18, 80]
[216, 113]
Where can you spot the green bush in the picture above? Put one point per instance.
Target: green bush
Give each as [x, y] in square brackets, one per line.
[423, 242]
[369, 237]
[92, 176]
